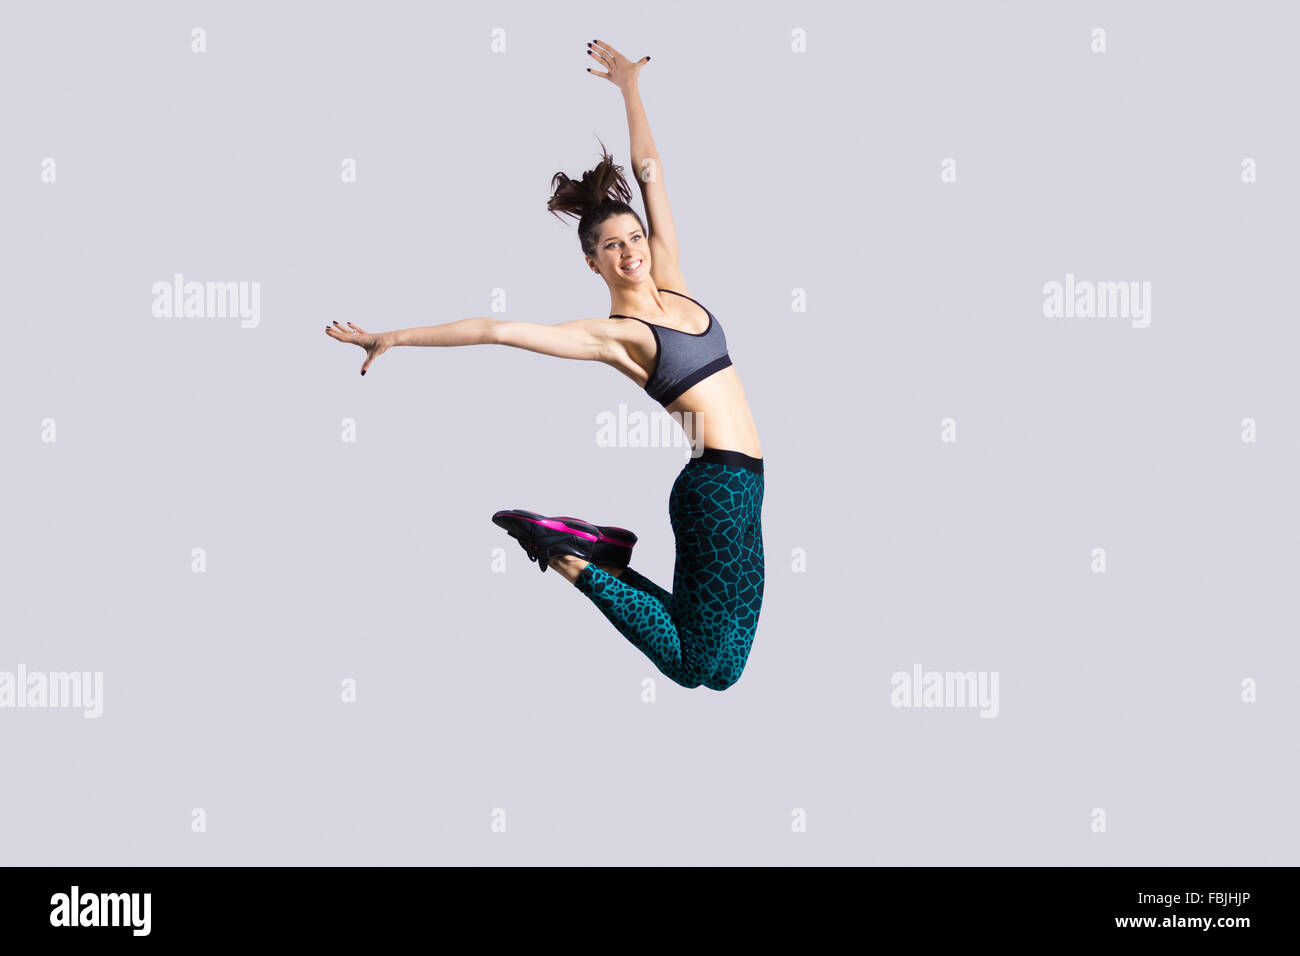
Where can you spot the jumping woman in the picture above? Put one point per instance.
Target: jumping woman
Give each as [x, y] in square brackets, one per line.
[674, 348]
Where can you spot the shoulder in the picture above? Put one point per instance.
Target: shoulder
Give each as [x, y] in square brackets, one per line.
[616, 338]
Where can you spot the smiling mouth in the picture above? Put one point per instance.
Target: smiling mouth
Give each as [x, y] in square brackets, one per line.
[635, 267]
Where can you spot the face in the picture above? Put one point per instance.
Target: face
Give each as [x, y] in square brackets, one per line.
[621, 244]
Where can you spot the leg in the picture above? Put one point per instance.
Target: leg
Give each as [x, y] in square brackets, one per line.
[643, 583]
[569, 567]
[752, 575]
[685, 632]
[646, 622]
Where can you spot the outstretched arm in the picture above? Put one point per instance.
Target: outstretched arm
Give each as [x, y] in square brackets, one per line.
[475, 331]
[624, 74]
[586, 339]
[579, 339]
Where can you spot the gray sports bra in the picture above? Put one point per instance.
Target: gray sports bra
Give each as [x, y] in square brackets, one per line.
[683, 359]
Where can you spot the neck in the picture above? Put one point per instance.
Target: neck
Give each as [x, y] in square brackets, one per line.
[643, 300]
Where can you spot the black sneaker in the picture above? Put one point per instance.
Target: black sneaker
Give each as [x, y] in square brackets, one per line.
[544, 538]
[614, 548]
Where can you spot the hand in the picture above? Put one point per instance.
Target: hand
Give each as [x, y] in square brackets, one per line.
[375, 343]
[622, 71]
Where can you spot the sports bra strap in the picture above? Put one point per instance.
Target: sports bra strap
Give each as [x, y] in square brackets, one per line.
[685, 296]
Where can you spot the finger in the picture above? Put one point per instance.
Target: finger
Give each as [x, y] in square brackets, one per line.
[597, 73]
[600, 55]
[606, 47]
[357, 328]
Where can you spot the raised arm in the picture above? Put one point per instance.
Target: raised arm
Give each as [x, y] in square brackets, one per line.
[624, 74]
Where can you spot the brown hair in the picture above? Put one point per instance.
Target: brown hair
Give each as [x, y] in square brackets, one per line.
[601, 193]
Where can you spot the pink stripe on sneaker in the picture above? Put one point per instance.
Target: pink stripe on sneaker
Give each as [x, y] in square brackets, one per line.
[604, 537]
[559, 526]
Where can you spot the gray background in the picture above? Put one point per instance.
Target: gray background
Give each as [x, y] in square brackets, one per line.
[816, 171]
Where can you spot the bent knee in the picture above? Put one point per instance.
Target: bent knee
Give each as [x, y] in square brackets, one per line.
[720, 681]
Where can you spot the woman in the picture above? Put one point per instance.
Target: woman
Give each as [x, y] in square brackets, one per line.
[674, 348]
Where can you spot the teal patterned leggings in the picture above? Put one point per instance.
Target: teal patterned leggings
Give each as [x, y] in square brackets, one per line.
[701, 633]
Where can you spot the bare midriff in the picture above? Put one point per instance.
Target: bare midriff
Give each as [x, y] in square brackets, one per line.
[719, 415]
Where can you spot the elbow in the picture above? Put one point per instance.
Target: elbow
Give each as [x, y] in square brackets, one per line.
[492, 333]
[647, 163]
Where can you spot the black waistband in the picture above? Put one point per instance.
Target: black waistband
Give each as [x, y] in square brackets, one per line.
[725, 456]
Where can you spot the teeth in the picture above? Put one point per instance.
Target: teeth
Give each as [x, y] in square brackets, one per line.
[632, 268]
